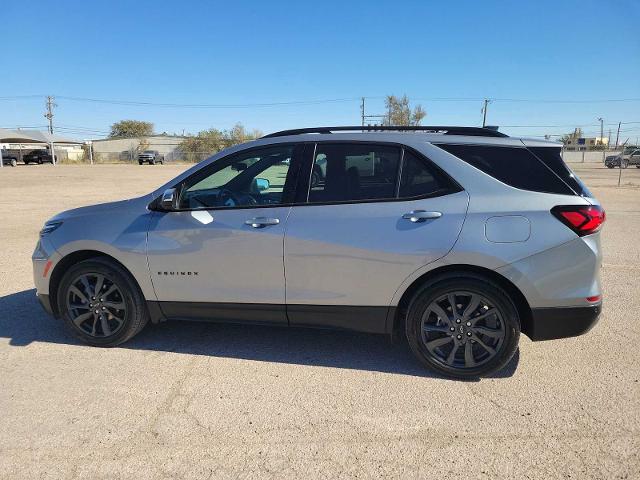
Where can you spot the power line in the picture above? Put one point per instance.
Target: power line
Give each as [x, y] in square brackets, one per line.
[204, 105]
[317, 101]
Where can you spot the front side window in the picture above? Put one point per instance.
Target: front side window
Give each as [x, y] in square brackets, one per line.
[353, 172]
[251, 178]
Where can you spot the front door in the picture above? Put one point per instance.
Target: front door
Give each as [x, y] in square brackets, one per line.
[221, 256]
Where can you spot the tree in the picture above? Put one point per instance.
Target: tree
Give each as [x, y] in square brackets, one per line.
[399, 111]
[577, 133]
[131, 128]
[208, 142]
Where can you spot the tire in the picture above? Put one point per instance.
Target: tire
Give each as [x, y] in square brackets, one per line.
[152, 162]
[14, 162]
[39, 161]
[610, 166]
[101, 330]
[424, 326]
[139, 163]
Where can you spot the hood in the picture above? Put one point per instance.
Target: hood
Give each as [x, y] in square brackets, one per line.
[103, 208]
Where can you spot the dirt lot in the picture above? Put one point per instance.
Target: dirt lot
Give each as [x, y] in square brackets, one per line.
[220, 401]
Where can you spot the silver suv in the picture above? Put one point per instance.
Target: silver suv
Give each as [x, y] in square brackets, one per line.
[455, 238]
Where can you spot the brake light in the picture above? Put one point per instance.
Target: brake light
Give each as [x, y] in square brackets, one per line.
[582, 219]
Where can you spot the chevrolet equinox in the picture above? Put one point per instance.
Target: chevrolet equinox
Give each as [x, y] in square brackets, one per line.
[457, 238]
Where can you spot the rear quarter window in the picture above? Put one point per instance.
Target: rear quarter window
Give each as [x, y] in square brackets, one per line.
[551, 157]
[515, 166]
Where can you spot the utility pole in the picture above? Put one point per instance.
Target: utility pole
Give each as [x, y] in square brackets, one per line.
[484, 111]
[368, 118]
[618, 134]
[49, 115]
[601, 136]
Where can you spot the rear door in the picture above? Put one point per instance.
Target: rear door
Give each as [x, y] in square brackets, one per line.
[373, 214]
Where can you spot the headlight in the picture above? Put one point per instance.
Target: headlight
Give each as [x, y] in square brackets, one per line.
[49, 227]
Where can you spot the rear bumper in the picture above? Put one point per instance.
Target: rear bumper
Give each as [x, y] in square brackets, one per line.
[552, 323]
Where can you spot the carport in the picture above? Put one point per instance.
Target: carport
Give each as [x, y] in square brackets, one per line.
[21, 137]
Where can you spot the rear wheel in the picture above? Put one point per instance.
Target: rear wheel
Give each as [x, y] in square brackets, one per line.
[101, 303]
[462, 326]
[14, 162]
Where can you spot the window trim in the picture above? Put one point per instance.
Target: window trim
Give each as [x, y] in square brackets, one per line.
[309, 159]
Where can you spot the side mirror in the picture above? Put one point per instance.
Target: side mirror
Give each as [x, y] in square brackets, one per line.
[170, 200]
[260, 184]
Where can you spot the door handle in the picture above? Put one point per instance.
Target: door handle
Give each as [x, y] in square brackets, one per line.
[421, 215]
[261, 222]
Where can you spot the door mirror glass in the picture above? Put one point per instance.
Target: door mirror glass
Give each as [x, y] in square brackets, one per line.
[169, 200]
[260, 184]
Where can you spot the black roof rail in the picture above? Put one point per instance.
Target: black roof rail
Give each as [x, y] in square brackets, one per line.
[443, 130]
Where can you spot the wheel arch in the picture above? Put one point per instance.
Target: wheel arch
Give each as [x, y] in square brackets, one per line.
[67, 261]
[521, 303]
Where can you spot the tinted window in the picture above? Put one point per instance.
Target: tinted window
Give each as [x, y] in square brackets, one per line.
[347, 172]
[419, 179]
[514, 166]
[552, 159]
[250, 178]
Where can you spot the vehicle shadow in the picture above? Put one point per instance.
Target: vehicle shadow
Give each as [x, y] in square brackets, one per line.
[22, 322]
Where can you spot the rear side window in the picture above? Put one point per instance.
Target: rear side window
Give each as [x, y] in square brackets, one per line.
[515, 166]
[551, 157]
[351, 172]
[420, 179]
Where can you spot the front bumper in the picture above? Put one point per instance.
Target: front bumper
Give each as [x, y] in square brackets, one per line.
[561, 322]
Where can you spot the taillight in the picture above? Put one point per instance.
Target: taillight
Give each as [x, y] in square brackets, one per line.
[582, 219]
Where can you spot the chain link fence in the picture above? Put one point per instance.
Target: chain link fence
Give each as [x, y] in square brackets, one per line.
[606, 168]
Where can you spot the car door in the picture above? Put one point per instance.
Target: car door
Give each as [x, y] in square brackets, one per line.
[378, 214]
[221, 256]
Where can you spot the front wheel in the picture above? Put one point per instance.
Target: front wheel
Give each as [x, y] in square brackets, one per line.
[14, 163]
[101, 303]
[462, 326]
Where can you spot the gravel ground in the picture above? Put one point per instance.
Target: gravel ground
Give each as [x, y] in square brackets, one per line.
[221, 401]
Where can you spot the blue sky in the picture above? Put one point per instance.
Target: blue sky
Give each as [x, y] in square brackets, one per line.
[243, 52]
